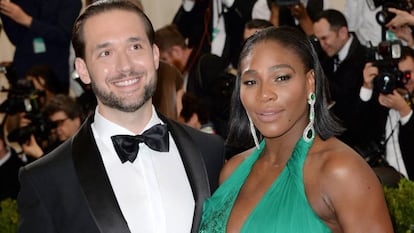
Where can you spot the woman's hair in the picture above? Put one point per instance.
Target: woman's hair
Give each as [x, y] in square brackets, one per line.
[169, 81]
[98, 7]
[297, 42]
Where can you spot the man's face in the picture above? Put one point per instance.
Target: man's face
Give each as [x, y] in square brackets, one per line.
[120, 63]
[174, 56]
[408, 65]
[65, 127]
[331, 41]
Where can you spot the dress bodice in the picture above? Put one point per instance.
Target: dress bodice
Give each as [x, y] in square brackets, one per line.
[283, 208]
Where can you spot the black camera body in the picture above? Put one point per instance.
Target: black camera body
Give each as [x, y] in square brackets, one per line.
[386, 57]
[384, 16]
[287, 2]
[24, 98]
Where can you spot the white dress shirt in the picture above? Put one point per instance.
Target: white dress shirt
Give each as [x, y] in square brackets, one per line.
[153, 192]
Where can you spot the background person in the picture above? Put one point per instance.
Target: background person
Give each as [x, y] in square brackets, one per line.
[64, 116]
[343, 65]
[387, 117]
[40, 31]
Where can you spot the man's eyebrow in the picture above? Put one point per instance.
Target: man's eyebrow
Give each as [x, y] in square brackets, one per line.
[107, 44]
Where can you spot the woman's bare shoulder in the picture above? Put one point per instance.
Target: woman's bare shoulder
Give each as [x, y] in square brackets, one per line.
[232, 164]
[340, 171]
[335, 157]
[338, 181]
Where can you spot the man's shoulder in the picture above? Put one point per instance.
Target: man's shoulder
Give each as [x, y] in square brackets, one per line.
[54, 160]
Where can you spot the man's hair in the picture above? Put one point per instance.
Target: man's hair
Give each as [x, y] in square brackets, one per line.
[169, 36]
[102, 6]
[63, 103]
[258, 24]
[406, 51]
[335, 19]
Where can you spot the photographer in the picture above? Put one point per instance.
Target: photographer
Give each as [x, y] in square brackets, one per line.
[65, 117]
[401, 22]
[387, 115]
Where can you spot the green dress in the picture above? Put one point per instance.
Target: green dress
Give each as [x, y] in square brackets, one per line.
[284, 208]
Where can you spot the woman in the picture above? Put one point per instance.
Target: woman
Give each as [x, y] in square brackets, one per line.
[299, 178]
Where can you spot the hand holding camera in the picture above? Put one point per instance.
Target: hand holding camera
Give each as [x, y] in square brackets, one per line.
[370, 72]
[386, 57]
[402, 18]
[396, 101]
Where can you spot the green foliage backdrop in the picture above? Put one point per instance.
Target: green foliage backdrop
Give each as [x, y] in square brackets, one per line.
[400, 203]
[8, 216]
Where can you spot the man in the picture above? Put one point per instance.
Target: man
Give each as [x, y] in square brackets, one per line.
[65, 116]
[388, 117]
[85, 185]
[205, 74]
[343, 65]
[40, 31]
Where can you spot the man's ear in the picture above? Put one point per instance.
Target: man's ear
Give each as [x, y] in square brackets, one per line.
[343, 32]
[82, 70]
[156, 54]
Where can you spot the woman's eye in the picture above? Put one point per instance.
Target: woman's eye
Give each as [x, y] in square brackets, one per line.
[282, 78]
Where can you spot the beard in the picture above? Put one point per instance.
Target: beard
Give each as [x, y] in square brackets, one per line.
[109, 99]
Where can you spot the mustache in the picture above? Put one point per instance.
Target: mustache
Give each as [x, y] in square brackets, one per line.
[123, 75]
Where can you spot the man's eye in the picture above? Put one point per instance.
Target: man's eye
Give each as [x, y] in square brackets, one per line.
[137, 46]
[104, 54]
[249, 82]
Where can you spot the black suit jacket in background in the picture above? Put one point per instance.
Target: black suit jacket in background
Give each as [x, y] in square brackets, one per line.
[344, 86]
[69, 191]
[9, 183]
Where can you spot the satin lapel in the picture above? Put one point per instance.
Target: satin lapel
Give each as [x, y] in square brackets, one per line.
[95, 182]
[194, 166]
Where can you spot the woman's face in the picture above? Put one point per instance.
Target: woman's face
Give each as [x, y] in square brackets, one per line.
[274, 89]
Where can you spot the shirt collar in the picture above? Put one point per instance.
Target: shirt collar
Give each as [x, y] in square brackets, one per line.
[5, 158]
[106, 128]
[345, 49]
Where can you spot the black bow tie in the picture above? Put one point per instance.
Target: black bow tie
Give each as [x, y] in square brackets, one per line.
[127, 146]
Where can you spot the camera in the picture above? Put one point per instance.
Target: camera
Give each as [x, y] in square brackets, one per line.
[384, 16]
[287, 2]
[24, 98]
[386, 57]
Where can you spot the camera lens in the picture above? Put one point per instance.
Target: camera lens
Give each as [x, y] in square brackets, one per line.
[385, 83]
[384, 16]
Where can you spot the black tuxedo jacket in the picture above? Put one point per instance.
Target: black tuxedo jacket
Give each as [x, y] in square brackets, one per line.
[69, 191]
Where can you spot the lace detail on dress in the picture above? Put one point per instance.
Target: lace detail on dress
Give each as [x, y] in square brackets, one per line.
[216, 222]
